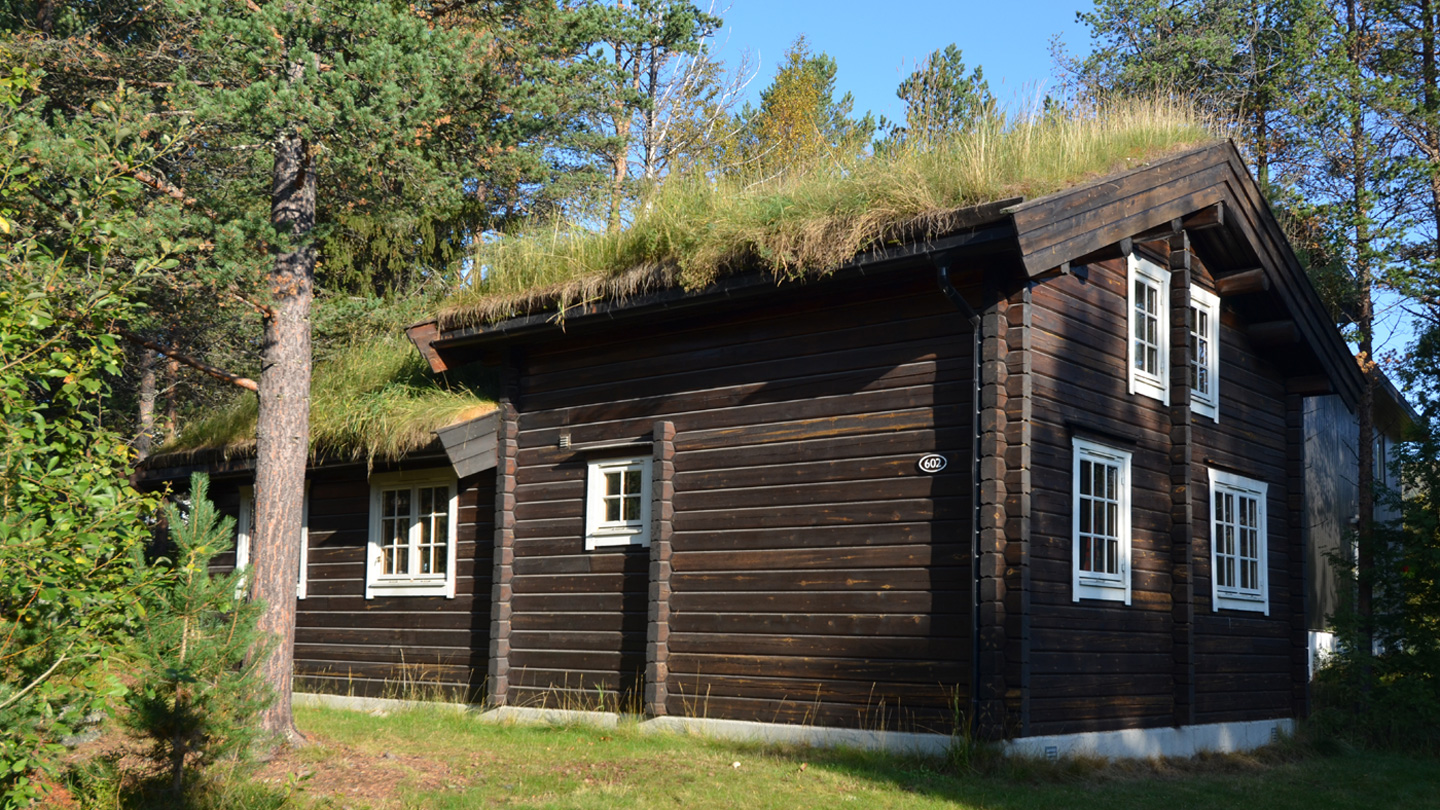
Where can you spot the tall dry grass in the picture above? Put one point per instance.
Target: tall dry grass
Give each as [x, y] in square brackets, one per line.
[371, 398]
[693, 230]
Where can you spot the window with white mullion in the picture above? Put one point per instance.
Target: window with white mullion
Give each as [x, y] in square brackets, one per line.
[245, 530]
[617, 510]
[1205, 353]
[1149, 340]
[1238, 542]
[1101, 490]
[433, 524]
[412, 535]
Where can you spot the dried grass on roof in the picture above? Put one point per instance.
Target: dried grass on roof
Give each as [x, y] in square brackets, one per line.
[371, 398]
[694, 230]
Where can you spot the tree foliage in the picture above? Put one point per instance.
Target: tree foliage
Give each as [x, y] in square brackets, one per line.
[196, 695]
[941, 98]
[71, 526]
[799, 120]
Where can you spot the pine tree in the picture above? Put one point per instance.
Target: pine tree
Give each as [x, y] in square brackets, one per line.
[197, 690]
[941, 97]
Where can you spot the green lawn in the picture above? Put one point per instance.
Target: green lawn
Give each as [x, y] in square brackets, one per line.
[437, 759]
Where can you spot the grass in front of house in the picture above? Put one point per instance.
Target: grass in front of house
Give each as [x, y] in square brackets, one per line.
[807, 220]
[439, 760]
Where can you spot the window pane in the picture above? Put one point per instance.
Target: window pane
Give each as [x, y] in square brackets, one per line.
[612, 509]
[632, 482]
[427, 500]
[388, 508]
[402, 502]
[632, 508]
[1085, 473]
[612, 483]
[402, 560]
[442, 559]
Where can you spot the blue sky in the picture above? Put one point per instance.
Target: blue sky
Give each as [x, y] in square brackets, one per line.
[876, 44]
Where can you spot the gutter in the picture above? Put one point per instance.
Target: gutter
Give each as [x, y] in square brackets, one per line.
[942, 277]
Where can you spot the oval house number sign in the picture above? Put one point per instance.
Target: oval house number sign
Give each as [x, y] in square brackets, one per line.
[931, 463]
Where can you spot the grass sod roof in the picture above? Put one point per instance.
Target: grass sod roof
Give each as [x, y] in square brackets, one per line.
[369, 399]
[694, 230]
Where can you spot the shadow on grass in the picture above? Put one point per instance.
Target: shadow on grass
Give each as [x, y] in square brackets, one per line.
[101, 784]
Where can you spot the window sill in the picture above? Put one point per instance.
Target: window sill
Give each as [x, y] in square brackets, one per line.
[595, 541]
[1246, 602]
[411, 587]
[1102, 590]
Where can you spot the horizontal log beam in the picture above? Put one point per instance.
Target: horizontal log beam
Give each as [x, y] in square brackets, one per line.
[1165, 231]
[1243, 282]
[1273, 333]
[1312, 386]
[1117, 250]
[1206, 218]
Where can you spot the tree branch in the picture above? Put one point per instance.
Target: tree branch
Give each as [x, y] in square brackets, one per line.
[219, 374]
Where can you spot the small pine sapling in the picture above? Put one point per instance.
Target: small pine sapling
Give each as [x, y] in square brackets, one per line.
[197, 698]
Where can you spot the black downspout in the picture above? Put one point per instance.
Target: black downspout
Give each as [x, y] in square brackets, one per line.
[942, 275]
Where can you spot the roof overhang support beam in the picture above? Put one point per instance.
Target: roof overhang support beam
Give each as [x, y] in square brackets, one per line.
[1206, 218]
[1311, 386]
[1244, 282]
[1272, 334]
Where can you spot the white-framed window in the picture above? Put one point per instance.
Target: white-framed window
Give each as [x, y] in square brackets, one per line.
[1237, 543]
[617, 502]
[1149, 286]
[1205, 353]
[244, 531]
[413, 522]
[1101, 510]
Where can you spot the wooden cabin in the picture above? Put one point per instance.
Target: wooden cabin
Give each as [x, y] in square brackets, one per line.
[1043, 474]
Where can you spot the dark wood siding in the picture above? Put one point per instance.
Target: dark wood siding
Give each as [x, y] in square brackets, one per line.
[398, 646]
[1104, 665]
[1095, 665]
[1243, 660]
[818, 576]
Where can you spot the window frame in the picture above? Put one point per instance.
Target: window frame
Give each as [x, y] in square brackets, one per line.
[244, 534]
[1155, 385]
[1208, 403]
[378, 583]
[1089, 584]
[1235, 598]
[600, 533]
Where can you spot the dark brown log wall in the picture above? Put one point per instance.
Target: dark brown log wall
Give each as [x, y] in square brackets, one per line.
[396, 646]
[1098, 665]
[815, 574]
[1243, 660]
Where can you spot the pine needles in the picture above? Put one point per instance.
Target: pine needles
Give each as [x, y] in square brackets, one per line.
[693, 230]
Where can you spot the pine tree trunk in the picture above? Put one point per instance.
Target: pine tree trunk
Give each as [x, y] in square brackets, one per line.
[283, 430]
[1365, 438]
[145, 435]
[172, 383]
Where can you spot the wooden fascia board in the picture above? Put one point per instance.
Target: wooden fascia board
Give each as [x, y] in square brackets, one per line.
[1259, 227]
[471, 445]
[1057, 228]
[993, 229]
